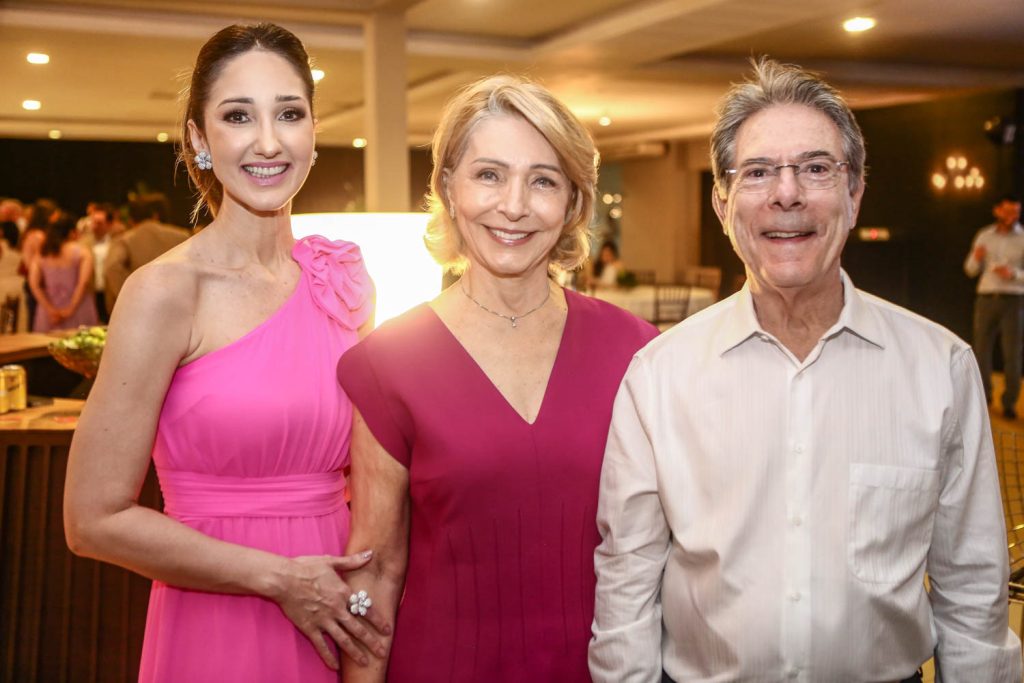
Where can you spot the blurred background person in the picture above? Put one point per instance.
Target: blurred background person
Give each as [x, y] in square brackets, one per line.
[11, 212]
[102, 225]
[60, 278]
[37, 219]
[12, 315]
[608, 266]
[484, 413]
[147, 237]
[997, 260]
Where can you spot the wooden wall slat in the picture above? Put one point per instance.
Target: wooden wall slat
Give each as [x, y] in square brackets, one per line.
[62, 618]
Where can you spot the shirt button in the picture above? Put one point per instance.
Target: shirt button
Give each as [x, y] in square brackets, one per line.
[794, 596]
[799, 448]
[793, 673]
[796, 520]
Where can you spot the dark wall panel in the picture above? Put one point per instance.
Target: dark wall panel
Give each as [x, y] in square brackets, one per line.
[921, 267]
[76, 172]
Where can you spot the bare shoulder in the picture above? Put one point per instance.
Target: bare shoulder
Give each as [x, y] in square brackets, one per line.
[167, 285]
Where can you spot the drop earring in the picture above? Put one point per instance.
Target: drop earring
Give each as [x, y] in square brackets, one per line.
[315, 155]
[204, 161]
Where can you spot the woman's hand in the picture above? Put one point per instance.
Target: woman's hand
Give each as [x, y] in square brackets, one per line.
[315, 599]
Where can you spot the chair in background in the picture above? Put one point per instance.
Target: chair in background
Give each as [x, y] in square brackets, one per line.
[644, 277]
[671, 305]
[708, 277]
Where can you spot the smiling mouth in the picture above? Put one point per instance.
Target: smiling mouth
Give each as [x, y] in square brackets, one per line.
[786, 235]
[265, 171]
[509, 236]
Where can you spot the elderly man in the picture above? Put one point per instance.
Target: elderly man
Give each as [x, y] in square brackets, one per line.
[785, 467]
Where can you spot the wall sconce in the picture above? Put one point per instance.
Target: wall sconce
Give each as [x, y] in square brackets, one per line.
[956, 174]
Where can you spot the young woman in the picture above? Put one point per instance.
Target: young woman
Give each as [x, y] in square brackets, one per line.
[59, 278]
[219, 367]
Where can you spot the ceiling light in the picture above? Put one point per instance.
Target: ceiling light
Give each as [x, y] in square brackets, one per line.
[359, 143]
[162, 137]
[605, 121]
[858, 24]
[55, 134]
[318, 75]
[31, 105]
[607, 198]
[37, 58]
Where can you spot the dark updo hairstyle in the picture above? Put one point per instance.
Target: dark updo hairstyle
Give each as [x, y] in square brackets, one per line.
[224, 46]
[57, 233]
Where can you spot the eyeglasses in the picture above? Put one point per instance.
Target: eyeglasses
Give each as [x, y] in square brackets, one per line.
[813, 174]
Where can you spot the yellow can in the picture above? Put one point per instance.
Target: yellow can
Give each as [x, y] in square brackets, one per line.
[15, 383]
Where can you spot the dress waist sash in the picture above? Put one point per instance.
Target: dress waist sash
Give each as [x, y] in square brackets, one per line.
[192, 494]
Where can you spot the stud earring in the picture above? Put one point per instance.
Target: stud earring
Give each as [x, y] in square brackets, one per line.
[315, 155]
[204, 161]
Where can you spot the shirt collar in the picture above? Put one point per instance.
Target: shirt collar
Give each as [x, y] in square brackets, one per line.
[741, 322]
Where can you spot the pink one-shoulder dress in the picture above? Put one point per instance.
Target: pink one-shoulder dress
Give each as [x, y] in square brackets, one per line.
[250, 446]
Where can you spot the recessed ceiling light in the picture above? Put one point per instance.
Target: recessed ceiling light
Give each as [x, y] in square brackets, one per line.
[605, 121]
[37, 58]
[55, 134]
[162, 137]
[858, 24]
[359, 143]
[318, 75]
[31, 105]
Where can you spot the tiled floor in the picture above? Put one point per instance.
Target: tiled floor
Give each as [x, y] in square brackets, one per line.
[1009, 441]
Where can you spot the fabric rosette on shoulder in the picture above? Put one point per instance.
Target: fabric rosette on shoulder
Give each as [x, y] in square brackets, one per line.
[341, 286]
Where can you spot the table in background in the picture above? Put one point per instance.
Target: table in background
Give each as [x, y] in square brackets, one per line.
[639, 300]
[23, 346]
[62, 618]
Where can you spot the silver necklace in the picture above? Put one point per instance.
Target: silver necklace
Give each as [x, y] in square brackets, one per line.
[514, 319]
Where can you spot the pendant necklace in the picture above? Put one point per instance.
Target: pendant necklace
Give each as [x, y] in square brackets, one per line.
[514, 319]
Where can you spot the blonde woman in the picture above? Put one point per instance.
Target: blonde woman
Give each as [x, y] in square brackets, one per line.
[482, 416]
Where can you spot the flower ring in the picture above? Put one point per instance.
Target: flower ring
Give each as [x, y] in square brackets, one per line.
[359, 602]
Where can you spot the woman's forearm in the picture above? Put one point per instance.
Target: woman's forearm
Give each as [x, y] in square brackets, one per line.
[383, 580]
[160, 548]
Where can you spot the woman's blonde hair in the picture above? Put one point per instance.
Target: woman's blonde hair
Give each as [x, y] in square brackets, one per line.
[504, 95]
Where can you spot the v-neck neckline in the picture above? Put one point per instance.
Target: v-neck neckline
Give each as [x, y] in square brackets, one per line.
[464, 352]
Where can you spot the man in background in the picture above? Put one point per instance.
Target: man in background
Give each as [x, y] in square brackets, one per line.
[146, 238]
[97, 230]
[997, 255]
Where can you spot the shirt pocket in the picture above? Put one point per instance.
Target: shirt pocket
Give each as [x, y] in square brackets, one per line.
[891, 513]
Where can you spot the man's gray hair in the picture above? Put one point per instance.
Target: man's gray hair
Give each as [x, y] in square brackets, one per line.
[773, 83]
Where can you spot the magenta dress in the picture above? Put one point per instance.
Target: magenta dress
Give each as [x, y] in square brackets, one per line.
[59, 284]
[500, 579]
[249, 449]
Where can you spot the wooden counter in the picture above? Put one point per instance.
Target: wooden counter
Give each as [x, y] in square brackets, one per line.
[24, 346]
[62, 618]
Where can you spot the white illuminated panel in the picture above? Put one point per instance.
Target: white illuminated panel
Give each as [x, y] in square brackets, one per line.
[392, 246]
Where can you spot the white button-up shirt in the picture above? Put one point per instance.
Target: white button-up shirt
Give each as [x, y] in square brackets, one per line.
[767, 519]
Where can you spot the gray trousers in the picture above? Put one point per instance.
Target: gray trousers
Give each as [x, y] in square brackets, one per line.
[1002, 313]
